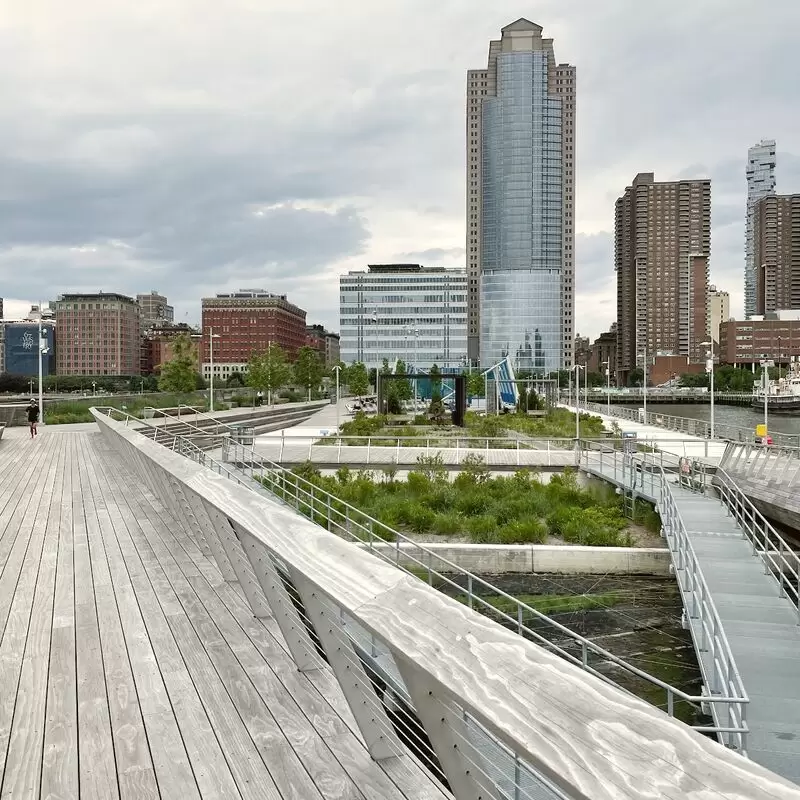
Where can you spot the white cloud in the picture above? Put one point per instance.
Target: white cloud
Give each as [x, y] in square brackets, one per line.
[195, 146]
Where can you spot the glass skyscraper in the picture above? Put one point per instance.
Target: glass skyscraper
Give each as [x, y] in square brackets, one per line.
[760, 173]
[520, 203]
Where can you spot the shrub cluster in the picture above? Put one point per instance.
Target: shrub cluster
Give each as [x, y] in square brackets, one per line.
[518, 509]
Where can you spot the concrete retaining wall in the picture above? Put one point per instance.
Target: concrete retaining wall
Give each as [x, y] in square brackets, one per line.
[491, 559]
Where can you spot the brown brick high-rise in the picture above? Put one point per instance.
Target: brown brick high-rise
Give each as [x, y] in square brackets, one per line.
[661, 256]
[777, 253]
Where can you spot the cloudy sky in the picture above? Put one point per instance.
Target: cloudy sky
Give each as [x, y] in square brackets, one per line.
[194, 146]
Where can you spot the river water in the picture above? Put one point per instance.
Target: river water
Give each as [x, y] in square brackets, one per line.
[731, 415]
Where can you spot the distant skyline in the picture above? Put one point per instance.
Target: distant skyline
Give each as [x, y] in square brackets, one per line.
[195, 149]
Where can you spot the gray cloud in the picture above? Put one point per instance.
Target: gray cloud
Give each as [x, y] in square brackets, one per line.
[139, 142]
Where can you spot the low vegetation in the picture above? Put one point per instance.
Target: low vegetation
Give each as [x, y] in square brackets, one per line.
[557, 423]
[484, 509]
[69, 411]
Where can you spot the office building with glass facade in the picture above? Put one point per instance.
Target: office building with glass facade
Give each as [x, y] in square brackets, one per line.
[404, 312]
[520, 203]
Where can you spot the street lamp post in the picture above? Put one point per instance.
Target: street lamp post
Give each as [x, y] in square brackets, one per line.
[710, 371]
[765, 379]
[337, 369]
[42, 350]
[211, 337]
[578, 368]
[608, 387]
[644, 383]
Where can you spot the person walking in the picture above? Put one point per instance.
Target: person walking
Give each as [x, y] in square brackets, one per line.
[33, 416]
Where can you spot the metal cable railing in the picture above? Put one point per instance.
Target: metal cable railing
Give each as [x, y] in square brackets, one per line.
[405, 553]
[780, 559]
[716, 660]
[688, 425]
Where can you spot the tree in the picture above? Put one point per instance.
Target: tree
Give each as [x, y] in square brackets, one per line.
[268, 371]
[694, 380]
[179, 374]
[475, 383]
[235, 380]
[357, 379]
[403, 387]
[635, 377]
[308, 368]
[436, 380]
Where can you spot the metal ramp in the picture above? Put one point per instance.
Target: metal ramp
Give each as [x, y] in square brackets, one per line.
[740, 584]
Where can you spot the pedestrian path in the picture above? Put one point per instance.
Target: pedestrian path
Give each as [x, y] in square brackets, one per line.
[130, 668]
[760, 625]
[666, 441]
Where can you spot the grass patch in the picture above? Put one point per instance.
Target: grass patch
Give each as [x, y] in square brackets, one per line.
[547, 603]
[64, 412]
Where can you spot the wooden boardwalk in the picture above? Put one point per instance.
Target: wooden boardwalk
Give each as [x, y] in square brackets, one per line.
[130, 669]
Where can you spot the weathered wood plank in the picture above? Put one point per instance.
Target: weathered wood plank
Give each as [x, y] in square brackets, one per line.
[241, 751]
[135, 772]
[157, 602]
[586, 736]
[97, 764]
[171, 761]
[60, 754]
[21, 778]
[237, 625]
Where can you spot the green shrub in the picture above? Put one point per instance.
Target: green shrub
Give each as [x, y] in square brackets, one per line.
[482, 529]
[523, 531]
[418, 483]
[448, 524]
[421, 519]
[440, 498]
[343, 475]
[473, 503]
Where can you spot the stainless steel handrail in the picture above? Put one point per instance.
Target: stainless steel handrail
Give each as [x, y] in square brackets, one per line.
[779, 558]
[723, 677]
[393, 547]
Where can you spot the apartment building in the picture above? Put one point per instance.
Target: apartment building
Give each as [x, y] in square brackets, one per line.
[777, 252]
[154, 310]
[520, 176]
[661, 253]
[404, 312]
[247, 322]
[760, 174]
[719, 311]
[98, 334]
[744, 343]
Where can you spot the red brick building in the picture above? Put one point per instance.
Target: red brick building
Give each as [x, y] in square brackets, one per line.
[747, 342]
[98, 334]
[245, 322]
[157, 345]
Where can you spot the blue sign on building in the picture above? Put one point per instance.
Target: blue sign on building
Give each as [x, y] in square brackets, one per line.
[21, 346]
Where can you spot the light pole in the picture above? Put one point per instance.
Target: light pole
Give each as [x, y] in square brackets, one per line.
[337, 369]
[578, 368]
[644, 383]
[211, 337]
[710, 371]
[608, 387]
[43, 350]
[765, 378]
[94, 388]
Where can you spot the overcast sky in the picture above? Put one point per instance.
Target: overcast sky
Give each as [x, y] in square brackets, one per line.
[196, 146]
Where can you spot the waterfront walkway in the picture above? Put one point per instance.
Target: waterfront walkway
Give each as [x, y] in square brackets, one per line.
[130, 669]
[761, 626]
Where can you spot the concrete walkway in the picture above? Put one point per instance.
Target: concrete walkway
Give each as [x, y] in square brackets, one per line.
[674, 442]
